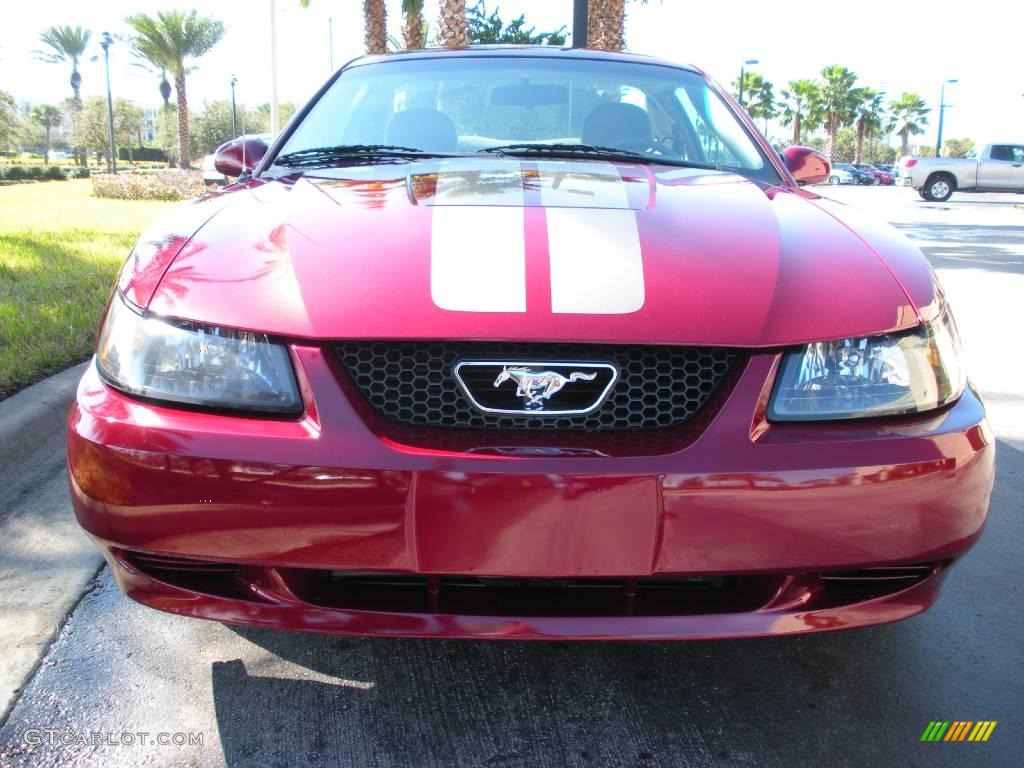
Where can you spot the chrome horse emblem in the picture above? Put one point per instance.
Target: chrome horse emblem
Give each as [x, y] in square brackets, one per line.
[537, 386]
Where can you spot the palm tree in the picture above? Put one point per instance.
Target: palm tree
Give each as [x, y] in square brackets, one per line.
[453, 30]
[66, 44]
[868, 119]
[49, 117]
[838, 101]
[801, 107]
[414, 29]
[168, 41]
[907, 115]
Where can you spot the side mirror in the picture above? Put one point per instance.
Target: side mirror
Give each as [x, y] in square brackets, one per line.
[808, 166]
[238, 156]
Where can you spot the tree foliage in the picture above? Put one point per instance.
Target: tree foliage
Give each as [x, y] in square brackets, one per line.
[92, 129]
[9, 122]
[958, 148]
[487, 27]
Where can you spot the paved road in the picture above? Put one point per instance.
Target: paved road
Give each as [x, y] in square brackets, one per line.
[850, 699]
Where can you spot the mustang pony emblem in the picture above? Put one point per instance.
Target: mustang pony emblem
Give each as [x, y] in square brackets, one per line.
[537, 386]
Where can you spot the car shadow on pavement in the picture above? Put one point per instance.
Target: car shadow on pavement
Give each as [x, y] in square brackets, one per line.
[445, 703]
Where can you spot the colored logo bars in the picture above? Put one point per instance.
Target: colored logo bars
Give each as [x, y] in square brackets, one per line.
[958, 730]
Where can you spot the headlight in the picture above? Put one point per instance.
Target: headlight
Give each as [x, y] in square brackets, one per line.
[875, 376]
[184, 362]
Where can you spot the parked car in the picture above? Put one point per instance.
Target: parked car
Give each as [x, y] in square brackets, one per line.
[882, 176]
[997, 168]
[432, 371]
[862, 177]
[840, 175]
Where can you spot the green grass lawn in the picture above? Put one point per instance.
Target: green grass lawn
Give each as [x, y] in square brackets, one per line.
[60, 249]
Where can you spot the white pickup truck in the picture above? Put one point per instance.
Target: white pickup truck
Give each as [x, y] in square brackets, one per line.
[997, 168]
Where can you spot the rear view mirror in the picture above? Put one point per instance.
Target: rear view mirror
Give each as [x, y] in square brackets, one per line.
[238, 156]
[808, 166]
[527, 95]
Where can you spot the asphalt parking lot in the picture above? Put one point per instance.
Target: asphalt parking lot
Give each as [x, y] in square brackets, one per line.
[862, 698]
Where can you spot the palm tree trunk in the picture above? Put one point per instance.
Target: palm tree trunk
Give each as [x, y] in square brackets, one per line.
[375, 14]
[830, 146]
[46, 152]
[615, 25]
[184, 161]
[596, 15]
[412, 32]
[76, 86]
[859, 151]
[81, 156]
[904, 142]
[796, 129]
[453, 31]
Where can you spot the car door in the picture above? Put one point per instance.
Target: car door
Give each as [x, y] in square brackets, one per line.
[1015, 177]
[996, 171]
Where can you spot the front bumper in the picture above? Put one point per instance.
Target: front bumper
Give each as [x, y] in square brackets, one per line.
[261, 521]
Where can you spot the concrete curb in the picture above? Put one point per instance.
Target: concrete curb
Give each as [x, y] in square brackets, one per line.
[30, 413]
[46, 561]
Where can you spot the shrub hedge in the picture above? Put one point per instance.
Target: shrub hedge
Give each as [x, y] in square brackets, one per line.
[35, 173]
[143, 154]
[162, 185]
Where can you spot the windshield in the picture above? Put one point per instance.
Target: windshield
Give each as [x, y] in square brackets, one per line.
[467, 104]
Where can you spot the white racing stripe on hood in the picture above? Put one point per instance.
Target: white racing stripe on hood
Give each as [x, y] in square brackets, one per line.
[478, 259]
[478, 248]
[596, 264]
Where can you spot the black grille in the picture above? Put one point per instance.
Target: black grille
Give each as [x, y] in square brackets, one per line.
[414, 382]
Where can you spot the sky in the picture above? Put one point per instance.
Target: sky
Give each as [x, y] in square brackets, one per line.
[913, 45]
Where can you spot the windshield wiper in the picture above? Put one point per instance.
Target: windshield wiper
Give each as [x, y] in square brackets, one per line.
[597, 152]
[351, 154]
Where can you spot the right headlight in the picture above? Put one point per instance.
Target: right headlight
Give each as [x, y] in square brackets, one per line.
[182, 362]
[885, 375]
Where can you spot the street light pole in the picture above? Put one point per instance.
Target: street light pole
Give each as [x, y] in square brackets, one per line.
[330, 43]
[234, 130]
[580, 23]
[743, 75]
[942, 109]
[105, 44]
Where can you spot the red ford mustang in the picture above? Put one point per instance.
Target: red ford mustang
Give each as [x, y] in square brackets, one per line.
[527, 343]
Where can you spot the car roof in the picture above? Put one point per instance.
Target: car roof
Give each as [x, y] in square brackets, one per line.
[521, 51]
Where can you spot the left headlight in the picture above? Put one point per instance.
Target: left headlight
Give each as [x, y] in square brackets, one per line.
[183, 362]
[885, 375]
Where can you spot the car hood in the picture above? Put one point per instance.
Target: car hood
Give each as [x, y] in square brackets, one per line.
[555, 251]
